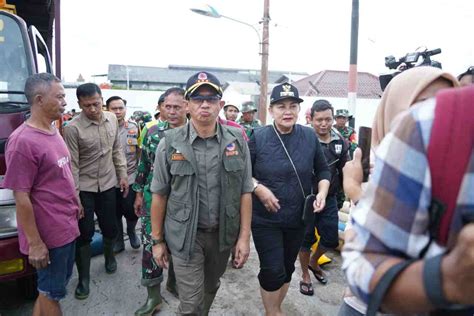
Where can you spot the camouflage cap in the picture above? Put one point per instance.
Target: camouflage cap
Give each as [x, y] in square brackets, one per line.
[248, 106]
[342, 112]
[146, 117]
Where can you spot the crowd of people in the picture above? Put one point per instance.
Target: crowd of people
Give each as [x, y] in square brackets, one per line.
[203, 187]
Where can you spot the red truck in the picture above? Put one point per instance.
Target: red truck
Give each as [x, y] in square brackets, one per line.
[23, 52]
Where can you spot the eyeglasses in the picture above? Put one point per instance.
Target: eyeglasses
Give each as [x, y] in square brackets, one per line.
[211, 99]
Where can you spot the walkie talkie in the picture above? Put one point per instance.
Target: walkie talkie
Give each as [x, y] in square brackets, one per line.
[365, 137]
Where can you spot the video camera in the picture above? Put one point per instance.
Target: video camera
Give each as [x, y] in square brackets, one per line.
[410, 60]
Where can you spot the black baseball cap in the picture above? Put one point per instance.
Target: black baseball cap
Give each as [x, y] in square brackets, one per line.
[285, 91]
[199, 79]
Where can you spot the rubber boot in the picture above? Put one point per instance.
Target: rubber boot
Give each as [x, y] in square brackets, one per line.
[83, 264]
[153, 301]
[171, 280]
[132, 235]
[110, 262]
[119, 244]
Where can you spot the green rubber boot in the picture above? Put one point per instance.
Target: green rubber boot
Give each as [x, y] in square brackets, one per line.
[153, 301]
[83, 264]
[110, 262]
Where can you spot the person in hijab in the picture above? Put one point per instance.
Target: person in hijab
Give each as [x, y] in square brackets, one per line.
[411, 86]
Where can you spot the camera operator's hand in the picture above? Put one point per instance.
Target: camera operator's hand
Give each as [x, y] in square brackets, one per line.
[402, 67]
[457, 269]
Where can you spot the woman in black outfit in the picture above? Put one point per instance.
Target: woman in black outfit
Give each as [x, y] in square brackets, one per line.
[278, 198]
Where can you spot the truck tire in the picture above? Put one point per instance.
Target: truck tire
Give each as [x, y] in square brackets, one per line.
[27, 287]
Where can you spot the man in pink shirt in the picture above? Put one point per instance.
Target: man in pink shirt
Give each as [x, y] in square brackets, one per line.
[39, 173]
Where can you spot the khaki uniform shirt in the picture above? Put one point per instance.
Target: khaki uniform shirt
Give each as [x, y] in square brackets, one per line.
[128, 134]
[97, 159]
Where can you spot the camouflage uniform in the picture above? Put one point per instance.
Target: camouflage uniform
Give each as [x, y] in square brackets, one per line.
[249, 106]
[350, 135]
[152, 274]
[249, 126]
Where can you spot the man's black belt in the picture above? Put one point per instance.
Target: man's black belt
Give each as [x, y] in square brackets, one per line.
[208, 229]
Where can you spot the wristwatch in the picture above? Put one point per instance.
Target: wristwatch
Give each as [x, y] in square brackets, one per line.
[155, 242]
[255, 185]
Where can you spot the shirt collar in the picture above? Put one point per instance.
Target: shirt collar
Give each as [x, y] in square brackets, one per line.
[192, 134]
[334, 135]
[88, 121]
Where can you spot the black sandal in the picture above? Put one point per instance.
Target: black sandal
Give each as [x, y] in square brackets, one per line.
[306, 288]
[318, 276]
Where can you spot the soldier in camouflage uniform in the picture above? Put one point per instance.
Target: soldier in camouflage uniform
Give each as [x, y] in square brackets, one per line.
[152, 274]
[342, 116]
[247, 120]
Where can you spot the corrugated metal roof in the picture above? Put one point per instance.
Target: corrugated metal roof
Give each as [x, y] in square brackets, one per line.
[334, 83]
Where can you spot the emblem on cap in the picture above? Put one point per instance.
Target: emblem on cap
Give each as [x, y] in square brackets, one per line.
[202, 76]
[286, 91]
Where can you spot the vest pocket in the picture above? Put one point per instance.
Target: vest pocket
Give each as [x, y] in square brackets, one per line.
[234, 172]
[232, 212]
[176, 224]
[181, 173]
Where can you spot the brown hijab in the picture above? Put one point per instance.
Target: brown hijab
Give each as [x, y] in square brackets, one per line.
[401, 93]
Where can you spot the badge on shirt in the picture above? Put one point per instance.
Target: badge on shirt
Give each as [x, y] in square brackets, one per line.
[177, 156]
[231, 150]
[338, 148]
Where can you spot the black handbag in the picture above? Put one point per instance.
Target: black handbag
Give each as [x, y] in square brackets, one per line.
[308, 209]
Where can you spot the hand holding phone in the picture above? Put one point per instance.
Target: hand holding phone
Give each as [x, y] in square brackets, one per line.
[365, 137]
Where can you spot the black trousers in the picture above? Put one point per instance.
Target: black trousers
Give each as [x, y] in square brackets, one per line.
[103, 205]
[124, 205]
[277, 249]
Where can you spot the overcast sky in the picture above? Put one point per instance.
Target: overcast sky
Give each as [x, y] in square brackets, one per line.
[305, 35]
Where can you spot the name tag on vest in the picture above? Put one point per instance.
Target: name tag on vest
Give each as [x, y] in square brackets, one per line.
[177, 157]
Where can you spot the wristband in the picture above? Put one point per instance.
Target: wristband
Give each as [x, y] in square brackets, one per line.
[155, 242]
[433, 282]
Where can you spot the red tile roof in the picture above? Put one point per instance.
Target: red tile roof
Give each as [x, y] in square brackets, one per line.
[334, 83]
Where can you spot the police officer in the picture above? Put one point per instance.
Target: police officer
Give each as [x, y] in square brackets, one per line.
[231, 112]
[248, 120]
[335, 149]
[201, 204]
[152, 274]
[342, 116]
[128, 133]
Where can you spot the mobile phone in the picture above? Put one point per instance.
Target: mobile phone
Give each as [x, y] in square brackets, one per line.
[365, 137]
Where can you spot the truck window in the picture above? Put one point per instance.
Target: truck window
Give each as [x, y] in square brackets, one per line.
[14, 69]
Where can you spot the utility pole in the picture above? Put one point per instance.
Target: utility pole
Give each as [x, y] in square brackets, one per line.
[262, 108]
[352, 88]
[57, 38]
